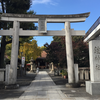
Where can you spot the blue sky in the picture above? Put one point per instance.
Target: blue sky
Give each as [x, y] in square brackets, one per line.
[66, 7]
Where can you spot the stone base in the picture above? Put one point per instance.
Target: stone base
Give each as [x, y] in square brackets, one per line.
[52, 71]
[93, 88]
[12, 86]
[32, 71]
[2, 85]
[73, 85]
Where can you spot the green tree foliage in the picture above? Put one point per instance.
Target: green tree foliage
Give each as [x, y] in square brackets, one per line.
[17, 6]
[81, 51]
[8, 51]
[57, 38]
[14, 6]
[30, 50]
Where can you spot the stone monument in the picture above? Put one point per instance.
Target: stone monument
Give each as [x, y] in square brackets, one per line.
[32, 64]
[93, 86]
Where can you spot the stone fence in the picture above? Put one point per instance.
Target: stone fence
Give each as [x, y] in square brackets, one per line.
[84, 74]
[2, 75]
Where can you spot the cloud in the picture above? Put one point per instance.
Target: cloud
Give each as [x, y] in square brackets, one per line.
[43, 2]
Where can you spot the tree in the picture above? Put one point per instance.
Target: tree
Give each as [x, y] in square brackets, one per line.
[56, 50]
[17, 6]
[30, 50]
[81, 51]
[52, 51]
[13, 6]
[62, 51]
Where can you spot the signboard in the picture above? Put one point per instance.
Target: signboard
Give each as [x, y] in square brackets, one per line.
[23, 61]
[42, 26]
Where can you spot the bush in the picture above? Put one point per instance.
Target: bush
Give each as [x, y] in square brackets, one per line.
[64, 72]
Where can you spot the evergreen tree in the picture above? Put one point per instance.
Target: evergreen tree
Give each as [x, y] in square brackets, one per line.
[13, 6]
[57, 51]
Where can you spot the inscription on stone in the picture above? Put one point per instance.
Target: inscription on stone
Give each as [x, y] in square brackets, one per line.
[97, 50]
[97, 67]
[42, 25]
[97, 57]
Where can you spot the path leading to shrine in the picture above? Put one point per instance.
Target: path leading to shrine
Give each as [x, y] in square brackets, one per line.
[43, 88]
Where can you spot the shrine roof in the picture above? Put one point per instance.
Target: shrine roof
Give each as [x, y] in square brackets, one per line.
[93, 32]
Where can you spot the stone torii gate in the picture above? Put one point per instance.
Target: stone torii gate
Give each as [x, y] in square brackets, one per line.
[42, 31]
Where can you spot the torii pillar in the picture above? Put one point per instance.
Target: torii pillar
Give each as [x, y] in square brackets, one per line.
[69, 53]
[14, 53]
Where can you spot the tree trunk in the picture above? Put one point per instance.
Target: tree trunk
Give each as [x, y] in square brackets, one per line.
[3, 45]
[3, 42]
[2, 3]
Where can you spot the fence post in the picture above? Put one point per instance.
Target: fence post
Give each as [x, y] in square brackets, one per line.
[7, 74]
[86, 74]
[76, 73]
[2, 75]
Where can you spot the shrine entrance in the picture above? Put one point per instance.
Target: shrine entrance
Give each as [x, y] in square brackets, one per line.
[42, 31]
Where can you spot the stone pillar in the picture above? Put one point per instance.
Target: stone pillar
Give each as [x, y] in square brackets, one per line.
[2, 75]
[76, 73]
[34, 67]
[7, 74]
[82, 74]
[86, 74]
[52, 67]
[31, 67]
[14, 53]
[32, 62]
[93, 86]
[69, 53]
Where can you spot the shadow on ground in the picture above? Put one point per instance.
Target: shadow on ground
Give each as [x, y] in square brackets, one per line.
[15, 93]
[72, 92]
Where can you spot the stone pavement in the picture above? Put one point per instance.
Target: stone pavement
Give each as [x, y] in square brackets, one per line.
[43, 88]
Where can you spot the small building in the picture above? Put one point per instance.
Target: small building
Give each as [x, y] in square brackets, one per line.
[41, 61]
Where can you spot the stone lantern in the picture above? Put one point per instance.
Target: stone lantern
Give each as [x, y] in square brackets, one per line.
[51, 67]
[32, 64]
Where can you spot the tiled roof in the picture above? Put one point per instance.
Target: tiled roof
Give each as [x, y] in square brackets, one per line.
[43, 54]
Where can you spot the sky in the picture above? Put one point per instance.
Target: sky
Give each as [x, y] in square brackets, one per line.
[62, 7]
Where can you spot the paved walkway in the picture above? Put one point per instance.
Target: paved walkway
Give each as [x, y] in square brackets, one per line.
[43, 88]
